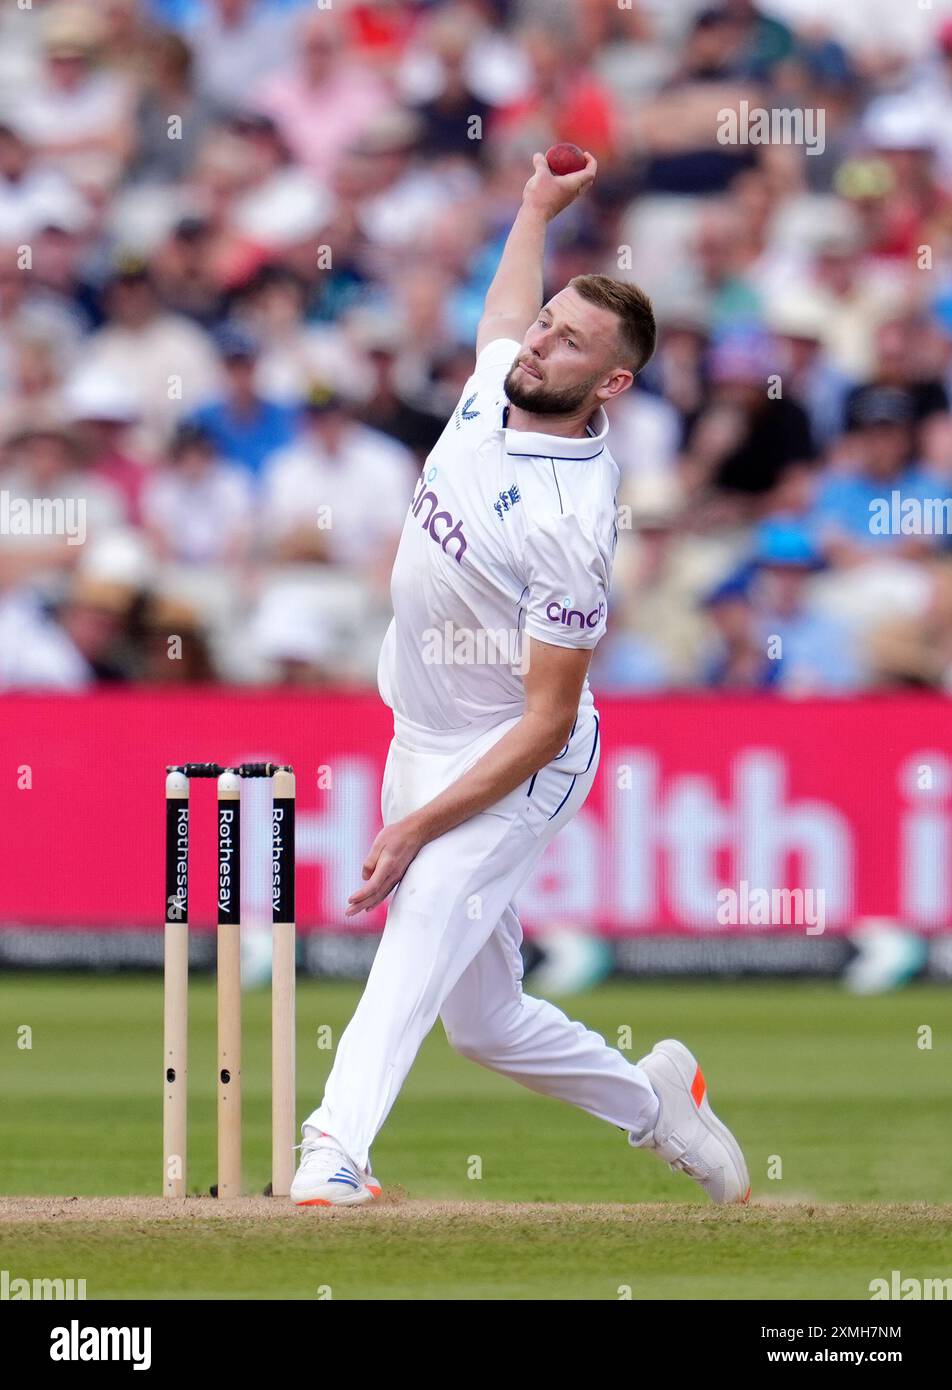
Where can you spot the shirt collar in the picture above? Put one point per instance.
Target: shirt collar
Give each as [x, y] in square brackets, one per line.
[532, 444]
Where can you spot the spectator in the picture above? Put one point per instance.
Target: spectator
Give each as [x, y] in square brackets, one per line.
[186, 272]
[326, 217]
[398, 197]
[317, 503]
[735, 656]
[171, 118]
[163, 357]
[34, 391]
[323, 100]
[103, 411]
[292, 351]
[95, 620]
[44, 466]
[198, 509]
[292, 632]
[898, 365]
[677, 131]
[76, 115]
[809, 376]
[813, 651]
[725, 252]
[655, 632]
[31, 196]
[175, 649]
[389, 408]
[30, 312]
[565, 100]
[748, 434]
[35, 653]
[244, 425]
[70, 647]
[878, 463]
[237, 43]
[916, 649]
[454, 120]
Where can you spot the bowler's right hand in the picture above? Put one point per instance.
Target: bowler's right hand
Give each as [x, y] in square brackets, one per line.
[550, 193]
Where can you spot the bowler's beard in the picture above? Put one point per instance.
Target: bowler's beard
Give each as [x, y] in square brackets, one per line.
[538, 400]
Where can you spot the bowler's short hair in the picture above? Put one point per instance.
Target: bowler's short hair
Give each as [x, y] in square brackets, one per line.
[638, 331]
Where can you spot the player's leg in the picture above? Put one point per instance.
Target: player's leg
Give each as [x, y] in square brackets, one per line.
[443, 912]
[489, 1019]
[661, 1101]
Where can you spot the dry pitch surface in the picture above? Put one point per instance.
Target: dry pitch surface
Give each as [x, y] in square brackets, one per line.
[396, 1206]
[407, 1249]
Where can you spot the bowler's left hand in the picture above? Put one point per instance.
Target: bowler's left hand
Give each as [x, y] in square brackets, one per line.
[390, 856]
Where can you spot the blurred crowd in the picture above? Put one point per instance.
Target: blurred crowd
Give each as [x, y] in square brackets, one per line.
[244, 246]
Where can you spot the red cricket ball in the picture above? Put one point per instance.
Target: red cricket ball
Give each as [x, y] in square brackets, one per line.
[565, 159]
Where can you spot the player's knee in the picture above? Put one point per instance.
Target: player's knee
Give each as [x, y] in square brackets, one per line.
[476, 1038]
[465, 1031]
[460, 1038]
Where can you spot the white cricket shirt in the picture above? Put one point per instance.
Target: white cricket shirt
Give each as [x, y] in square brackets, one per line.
[509, 532]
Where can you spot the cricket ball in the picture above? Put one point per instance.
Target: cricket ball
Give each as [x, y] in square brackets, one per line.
[565, 159]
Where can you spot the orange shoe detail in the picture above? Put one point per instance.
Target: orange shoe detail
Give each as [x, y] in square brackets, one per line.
[698, 1087]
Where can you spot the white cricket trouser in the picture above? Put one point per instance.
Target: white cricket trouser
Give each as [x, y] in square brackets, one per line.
[451, 948]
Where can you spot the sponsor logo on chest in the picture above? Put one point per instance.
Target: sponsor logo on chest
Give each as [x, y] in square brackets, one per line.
[439, 524]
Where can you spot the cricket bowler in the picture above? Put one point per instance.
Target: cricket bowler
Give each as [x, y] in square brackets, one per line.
[509, 542]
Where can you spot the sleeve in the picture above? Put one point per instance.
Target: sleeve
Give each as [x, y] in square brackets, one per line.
[493, 363]
[568, 580]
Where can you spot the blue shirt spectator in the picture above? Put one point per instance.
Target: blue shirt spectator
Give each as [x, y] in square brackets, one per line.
[244, 426]
[251, 437]
[869, 507]
[848, 505]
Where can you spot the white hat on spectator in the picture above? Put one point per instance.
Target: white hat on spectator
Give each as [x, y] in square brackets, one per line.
[94, 393]
[118, 556]
[288, 209]
[655, 499]
[142, 217]
[827, 224]
[802, 316]
[375, 330]
[899, 123]
[291, 624]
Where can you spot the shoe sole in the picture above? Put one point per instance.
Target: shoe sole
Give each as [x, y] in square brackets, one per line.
[686, 1066]
[355, 1199]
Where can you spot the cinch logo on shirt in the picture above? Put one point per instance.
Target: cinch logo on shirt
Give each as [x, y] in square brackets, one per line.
[452, 531]
[561, 613]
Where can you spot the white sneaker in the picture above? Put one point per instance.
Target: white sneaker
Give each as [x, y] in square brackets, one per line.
[687, 1135]
[328, 1177]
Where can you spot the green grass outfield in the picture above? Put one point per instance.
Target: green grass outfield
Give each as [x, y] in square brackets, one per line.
[833, 1088]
